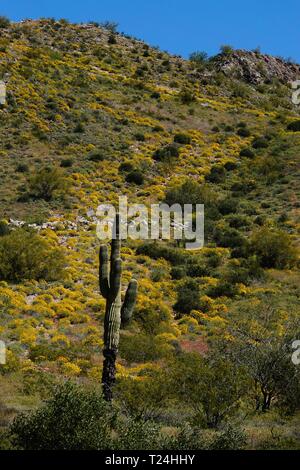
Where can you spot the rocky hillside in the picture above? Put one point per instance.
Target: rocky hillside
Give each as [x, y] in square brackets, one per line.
[256, 68]
[90, 115]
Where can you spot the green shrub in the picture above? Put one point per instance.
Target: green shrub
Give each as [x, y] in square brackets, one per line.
[178, 272]
[140, 137]
[228, 205]
[66, 163]
[227, 237]
[142, 348]
[243, 132]
[166, 153]
[151, 316]
[112, 39]
[79, 128]
[73, 419]
[246, 152]
[223, 289]
[260, 143]
[136, 177]
[155, 95]
[197, 269]
[226, 49]
[4, 227]
[46, 183]
[22, 168]
[26, 255]
[216, 175]
[273, 248]
[187, 96]
[96, 156]
[126, 167]
[230, 165]
[182, 139]
[160, 250]
[198, 57]
[294, 126]
[229, 438]
[4, 22]
[188, 297]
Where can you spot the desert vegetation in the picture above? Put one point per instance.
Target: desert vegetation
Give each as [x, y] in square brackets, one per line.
[205, 362]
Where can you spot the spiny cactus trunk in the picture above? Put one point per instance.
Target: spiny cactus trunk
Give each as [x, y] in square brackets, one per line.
[116, 314]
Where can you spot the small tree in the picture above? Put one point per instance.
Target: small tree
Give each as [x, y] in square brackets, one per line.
[26, 255]
[46, 182]
[226, 49]
[273, 248]
[188, 297]
[72, 419]
[199, 57]
[4, 22]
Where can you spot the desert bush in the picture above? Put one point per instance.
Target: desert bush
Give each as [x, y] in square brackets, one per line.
[226, 49]
[73, 419]
[66, 163]
[228, 206]
[230, 165]
[186, 96]
[138, 434]
[223, 288]
[142, 348]
[151, 316]
[22, 168]
[188, 296]
[198, 57]
[246, 152]
[140, 137]
[178, 272]
[126, 167]
[215, 387]
[112, 39]
[166, 153]
[273, 248]
[143, 398]
[96, 156]
[46, 183]
[243, 132]
[4, 22]
[182, 139]
[4, 227]
[229, 438]
[294, 126]
[79, 128]
[228, 237]
[191, 192]
[216, 175]
[260, 143]
[159, 250]
[26, 255]
[136, 177]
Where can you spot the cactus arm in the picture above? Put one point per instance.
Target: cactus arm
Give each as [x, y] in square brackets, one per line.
[103, 271]
[129, 302]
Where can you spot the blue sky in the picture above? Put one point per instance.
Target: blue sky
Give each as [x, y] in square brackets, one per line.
[183, 26]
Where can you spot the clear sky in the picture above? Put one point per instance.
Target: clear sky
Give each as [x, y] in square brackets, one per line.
[183, 26]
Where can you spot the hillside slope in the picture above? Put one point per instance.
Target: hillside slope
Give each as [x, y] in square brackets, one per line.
[100, 106]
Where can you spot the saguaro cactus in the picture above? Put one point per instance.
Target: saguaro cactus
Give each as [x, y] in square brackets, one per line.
[116, 313]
